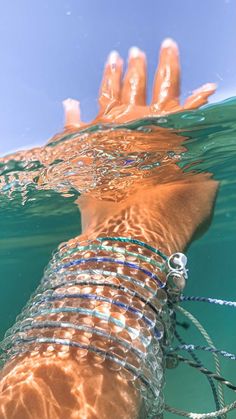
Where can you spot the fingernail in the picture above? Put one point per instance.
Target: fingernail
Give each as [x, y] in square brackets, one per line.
[135, 52]
[72, 112]
[113, 57]
[169, 43]
[208, 87]
[71, 104]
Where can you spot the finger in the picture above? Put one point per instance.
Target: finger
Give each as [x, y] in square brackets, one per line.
[134, 85]
[72, 113]
[200, 96]
[166, 88]
[110, 88]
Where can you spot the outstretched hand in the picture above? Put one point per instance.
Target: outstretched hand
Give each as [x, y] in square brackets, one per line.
[125, 100]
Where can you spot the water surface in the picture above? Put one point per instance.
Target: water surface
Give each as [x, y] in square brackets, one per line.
[38, 193]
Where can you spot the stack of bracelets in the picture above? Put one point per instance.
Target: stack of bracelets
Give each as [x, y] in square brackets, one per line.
[112, 299]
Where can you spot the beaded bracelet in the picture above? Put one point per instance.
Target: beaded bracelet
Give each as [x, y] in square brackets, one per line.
[68, 269]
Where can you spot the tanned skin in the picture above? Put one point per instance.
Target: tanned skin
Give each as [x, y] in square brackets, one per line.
[166, 215]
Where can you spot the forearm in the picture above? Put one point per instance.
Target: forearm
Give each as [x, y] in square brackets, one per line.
[166, 216]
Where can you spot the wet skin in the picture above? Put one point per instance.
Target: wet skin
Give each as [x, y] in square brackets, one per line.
[164, 214]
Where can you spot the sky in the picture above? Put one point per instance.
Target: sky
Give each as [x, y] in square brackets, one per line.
[54, 49]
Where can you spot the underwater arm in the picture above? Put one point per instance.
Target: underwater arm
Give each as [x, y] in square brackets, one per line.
[55, 380]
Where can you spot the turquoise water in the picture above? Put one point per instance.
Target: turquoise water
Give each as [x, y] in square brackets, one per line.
[34, 220]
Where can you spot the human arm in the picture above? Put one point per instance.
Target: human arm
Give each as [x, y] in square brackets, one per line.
[164, 214]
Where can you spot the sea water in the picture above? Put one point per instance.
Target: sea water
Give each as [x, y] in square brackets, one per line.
[35, 220]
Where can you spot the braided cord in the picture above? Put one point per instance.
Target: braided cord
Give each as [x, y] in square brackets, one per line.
[205, 371]
[192, 415]
[206, 336]
[196, 359]
[208, 300]
[211, 349]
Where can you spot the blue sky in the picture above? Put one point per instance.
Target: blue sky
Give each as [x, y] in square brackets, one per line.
[54, 49]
